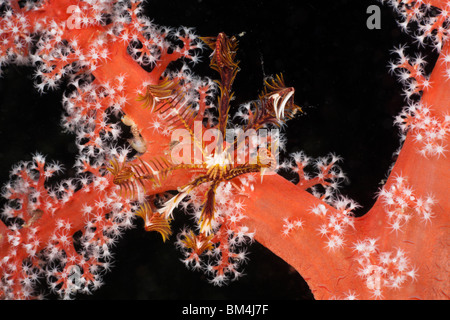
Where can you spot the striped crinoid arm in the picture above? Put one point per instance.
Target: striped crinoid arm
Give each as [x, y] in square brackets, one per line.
[122, 176]
[132, 176]
[223, 61]
[154, 221]
[168, 99]
[275, 105]
[281, 98]
[159, 95]
[136, 176]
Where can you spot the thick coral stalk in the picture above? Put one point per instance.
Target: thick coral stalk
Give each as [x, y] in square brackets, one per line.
[334, 273]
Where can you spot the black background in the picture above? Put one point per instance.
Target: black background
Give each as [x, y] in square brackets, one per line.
[339, 70]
